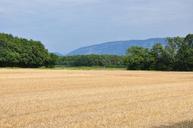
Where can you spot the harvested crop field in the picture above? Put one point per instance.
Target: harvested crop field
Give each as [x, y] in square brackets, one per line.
[35, 98]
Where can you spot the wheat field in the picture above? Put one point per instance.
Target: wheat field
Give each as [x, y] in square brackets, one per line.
[42, 98]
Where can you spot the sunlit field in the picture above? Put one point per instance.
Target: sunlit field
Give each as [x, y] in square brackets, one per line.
[41, 98]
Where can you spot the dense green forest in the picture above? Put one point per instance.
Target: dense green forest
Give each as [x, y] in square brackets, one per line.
[177, 55]
[19, 52]
[93, 60]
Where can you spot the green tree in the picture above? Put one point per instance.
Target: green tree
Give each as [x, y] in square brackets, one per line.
[185, 55]
[138, 58]
[170, 52]
[157, 53]
[19, 52]
[92, 60]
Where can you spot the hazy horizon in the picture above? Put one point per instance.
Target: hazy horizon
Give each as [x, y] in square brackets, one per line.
[64, 25]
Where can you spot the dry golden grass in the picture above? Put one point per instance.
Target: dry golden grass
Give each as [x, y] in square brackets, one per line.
[33, 98]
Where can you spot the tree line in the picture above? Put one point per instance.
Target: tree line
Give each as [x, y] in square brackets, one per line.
[177, 55]
[20, 52]
[92, 60]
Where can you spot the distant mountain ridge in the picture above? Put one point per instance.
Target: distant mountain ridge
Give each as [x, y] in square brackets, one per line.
[116, 47]
[58, 54]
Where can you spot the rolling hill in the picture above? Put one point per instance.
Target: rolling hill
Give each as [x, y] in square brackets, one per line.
[116, 47]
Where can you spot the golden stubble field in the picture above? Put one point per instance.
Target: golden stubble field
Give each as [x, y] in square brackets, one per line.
[34, 98]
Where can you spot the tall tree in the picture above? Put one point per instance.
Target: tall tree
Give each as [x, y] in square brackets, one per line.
[138, 58]
[157, 53]
[185, 54]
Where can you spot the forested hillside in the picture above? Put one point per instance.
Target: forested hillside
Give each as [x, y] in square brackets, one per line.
[116, 47]
[20, 52]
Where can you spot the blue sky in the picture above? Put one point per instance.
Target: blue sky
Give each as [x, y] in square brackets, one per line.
[64, 25]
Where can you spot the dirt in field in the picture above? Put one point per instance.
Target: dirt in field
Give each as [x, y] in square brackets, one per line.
[33, 98]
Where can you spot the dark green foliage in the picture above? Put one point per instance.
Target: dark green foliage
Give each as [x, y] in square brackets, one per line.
[184, 57]
[158, 53]
[93, 60]
[19, 52]
[138, 58]
[177, 55]
[52, 60]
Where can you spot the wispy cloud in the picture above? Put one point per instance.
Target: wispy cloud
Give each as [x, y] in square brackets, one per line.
[65, 24]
